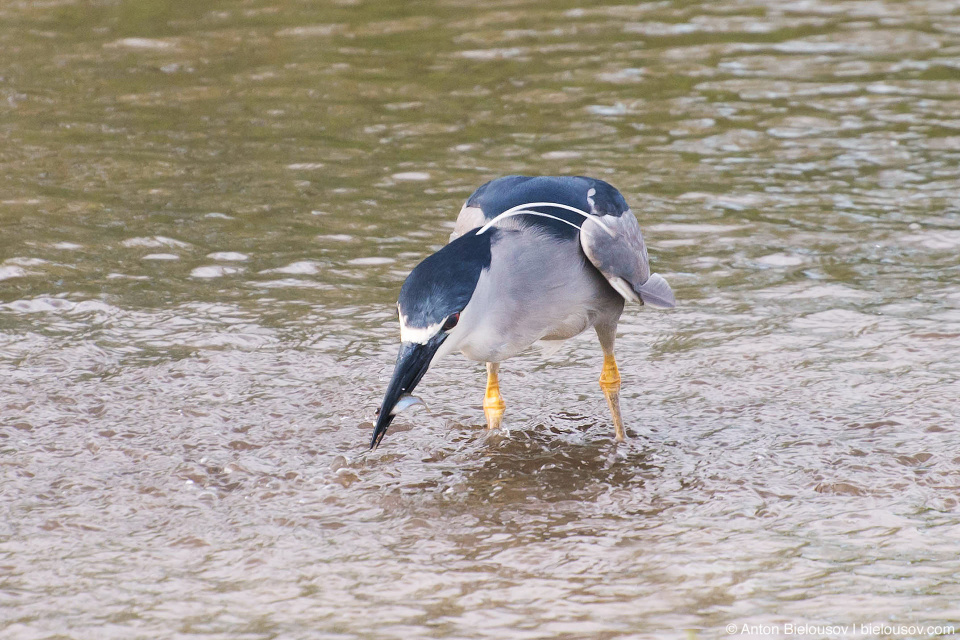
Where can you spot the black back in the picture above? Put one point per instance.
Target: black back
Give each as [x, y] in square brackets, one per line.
[501, 194]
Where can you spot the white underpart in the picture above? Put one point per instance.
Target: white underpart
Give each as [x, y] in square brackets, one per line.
[521, 209]
[417, 334]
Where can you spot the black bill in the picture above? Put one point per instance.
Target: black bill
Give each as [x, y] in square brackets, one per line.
[412, 362]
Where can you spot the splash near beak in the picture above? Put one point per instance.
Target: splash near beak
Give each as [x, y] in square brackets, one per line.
[412, 362]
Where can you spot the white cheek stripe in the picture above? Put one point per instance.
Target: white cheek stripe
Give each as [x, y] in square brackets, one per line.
[521, 209]
[416, 334]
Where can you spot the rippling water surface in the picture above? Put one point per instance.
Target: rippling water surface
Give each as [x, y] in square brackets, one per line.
[207, 209]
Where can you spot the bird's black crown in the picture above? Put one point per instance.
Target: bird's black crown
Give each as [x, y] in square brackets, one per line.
[443, 283]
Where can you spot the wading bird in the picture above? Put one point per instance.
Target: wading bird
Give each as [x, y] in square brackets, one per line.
[530, 260]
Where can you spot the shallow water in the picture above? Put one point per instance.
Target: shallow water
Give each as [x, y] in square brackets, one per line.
[207, 210]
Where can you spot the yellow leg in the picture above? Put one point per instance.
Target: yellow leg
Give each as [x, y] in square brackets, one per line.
[493, 404]
[610, 384]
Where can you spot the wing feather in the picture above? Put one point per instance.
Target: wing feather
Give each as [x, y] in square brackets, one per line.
[609, 232]
[618, 251]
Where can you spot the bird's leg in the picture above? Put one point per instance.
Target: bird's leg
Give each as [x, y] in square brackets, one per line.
[493, 404]
[610, 377]
[610, 384]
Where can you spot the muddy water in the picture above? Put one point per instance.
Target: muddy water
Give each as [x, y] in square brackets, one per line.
[207, 210]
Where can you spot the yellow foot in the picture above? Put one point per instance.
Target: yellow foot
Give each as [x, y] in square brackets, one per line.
[610, 384]
[494, 414]
[493, 404]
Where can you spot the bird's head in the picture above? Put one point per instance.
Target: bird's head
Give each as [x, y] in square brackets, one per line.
[431, 300]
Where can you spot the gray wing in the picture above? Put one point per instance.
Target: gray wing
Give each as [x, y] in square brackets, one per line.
[615, 246]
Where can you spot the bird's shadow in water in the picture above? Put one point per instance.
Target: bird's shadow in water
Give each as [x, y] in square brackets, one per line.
[553, 462]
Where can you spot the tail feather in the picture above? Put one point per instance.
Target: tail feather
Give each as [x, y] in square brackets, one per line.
[657, 293]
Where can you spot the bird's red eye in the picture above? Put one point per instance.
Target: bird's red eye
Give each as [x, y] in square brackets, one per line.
[451, 322]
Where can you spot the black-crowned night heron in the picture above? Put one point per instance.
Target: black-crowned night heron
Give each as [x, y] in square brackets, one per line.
[530, 260]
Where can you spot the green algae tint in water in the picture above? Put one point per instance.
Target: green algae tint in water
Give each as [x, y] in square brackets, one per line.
[207, 210]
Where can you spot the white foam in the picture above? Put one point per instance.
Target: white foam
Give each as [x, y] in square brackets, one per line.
[216, 271]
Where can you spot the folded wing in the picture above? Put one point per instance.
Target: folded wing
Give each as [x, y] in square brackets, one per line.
[615, 246]
[608, 230]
